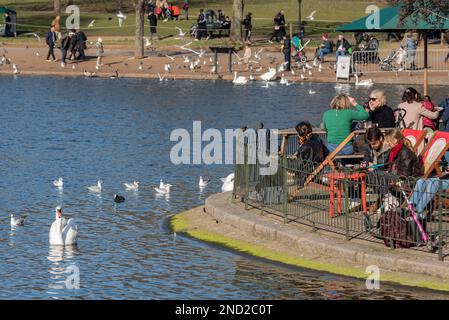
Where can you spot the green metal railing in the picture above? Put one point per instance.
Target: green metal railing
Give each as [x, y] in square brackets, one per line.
[356, 203]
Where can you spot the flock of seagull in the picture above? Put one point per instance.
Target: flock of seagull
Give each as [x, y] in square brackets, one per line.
[162, 189]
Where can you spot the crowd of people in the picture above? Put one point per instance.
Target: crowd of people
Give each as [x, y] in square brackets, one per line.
[385, 148]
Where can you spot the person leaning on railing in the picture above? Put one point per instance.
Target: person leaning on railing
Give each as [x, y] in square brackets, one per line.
[337, 121]
[311, 147]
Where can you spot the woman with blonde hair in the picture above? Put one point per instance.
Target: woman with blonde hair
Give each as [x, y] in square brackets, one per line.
[403, 161]
[338, 120]
[379, 113]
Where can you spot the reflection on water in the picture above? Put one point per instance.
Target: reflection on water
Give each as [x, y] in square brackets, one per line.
[118, 131]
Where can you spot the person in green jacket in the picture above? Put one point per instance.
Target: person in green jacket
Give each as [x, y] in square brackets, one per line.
[338, 120]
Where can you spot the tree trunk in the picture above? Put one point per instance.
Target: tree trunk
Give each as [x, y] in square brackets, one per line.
[299, 15]
[236, 21]
[57, 7]
[140, 25]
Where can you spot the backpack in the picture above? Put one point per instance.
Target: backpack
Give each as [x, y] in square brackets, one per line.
[395, 230]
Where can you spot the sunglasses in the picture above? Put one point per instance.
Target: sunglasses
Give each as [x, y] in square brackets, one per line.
[373, 99]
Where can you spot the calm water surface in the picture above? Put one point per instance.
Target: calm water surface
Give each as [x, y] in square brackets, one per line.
[118, 131]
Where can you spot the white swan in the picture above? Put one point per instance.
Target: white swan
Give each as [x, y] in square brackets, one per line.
[15, 222]
[62, 232]
[59, 183]
[202, 183]
[363, 83]
[228, 183]
[132, 186]
[268, 76]
[239, 79]
[96, 188]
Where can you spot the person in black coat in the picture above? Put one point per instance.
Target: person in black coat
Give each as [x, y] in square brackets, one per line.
[311, 147]
[73, 45]
[7, 25]
[379, 113]
[286, 49]
[152, 19]
[247, 24]
[202, 25]
[50, 40]
[81, 44]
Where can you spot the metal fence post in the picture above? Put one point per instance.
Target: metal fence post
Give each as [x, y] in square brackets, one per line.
[440, 221]
[246, 177]
[284, 188]
[345, 181]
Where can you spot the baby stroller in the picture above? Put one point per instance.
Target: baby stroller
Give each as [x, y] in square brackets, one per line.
[298, 53]
[387, 63]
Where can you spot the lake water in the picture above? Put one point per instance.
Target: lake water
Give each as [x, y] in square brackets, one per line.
[118, 131]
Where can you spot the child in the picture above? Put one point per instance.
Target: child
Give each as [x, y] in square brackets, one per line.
[100, 51]
[428, 124]
[404, 160]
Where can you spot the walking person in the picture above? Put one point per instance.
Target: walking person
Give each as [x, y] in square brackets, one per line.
[410, 47]
[73, 44]
[247, 24]
[50, 40]
[277, 34]
[286, 49]
[81, 44]
[185, 7]
[152, 19]
[202, 32]
[65, 43]
[100, 51]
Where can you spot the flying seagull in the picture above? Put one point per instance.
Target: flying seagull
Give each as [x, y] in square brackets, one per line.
[91, 24]
[311, 15]
[121, 18]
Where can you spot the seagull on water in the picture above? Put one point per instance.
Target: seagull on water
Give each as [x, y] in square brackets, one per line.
[311, 91]
[132, 186]
[164, 188]
[203, 183]
[97, 188]
[15, 222]
[59, 183]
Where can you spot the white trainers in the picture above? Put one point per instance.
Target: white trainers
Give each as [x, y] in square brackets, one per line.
[62, 65]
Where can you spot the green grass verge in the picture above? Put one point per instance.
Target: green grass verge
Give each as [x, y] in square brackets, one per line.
[179, 223]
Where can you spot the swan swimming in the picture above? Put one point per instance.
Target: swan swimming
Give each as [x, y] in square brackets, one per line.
[59, 183]
[96, 188]
[165, 190]
[228, 183]
[239, 79]
[63, 232]
[363, 83]
[132, 186]
[15, 222]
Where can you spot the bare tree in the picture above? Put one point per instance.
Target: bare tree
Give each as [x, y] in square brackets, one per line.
[236, 21]
[140, 25]
[425, 8]
[57, 6]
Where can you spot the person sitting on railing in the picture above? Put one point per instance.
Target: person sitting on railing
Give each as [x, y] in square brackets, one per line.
[379, 113]
[338, 120]
[404, 161]
[311, 147]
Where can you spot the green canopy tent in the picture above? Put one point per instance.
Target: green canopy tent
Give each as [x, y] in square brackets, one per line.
[389, 20]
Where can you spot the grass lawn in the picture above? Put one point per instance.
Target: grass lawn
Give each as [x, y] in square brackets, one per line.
[36, 15]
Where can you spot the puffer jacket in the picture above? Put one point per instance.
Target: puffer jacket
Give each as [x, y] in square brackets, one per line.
[312, 150]
[407, 164]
